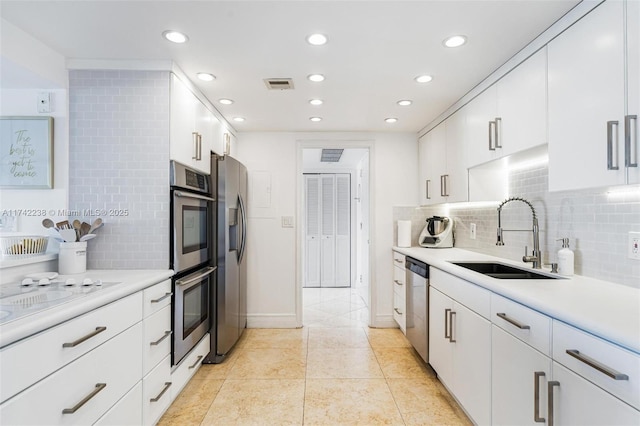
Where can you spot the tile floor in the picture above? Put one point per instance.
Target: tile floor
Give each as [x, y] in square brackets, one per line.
[333, 371]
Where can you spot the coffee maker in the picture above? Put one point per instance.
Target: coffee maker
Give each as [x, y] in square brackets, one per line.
[437, 233]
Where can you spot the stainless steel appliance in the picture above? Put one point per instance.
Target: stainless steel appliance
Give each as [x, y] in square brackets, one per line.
[191, 310]
[437, 233]
[417, 282]
[192, 216]
[229, 300]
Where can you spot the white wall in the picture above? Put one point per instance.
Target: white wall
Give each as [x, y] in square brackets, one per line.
[27, 68]
[273, 273]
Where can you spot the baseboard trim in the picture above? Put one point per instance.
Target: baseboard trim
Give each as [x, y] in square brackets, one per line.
[272, 321]
[384, 321]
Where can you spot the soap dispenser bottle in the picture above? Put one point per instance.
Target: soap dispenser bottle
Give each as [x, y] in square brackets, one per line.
[565, 258]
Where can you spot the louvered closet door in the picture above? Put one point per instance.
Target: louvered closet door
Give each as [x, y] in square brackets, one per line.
[312, 231]
[328, 230]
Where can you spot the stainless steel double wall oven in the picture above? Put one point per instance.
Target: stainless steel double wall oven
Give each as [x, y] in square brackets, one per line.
[192, 248]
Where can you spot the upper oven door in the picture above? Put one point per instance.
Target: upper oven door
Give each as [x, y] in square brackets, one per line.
[192, 221]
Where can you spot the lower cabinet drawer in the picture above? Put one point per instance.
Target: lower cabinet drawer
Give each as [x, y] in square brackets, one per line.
[127, 411]
[399, 277]
[80, 393]
[157, 338]
[188, 366]
[611, 367]
[156, 388]
[399, 310]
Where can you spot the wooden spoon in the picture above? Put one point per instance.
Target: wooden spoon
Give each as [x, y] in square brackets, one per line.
[95, 225]
[48, 223]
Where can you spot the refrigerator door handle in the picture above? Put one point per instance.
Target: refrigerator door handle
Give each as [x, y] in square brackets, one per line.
[243, 241]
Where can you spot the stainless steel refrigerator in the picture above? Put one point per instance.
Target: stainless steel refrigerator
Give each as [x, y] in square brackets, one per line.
[229, 298]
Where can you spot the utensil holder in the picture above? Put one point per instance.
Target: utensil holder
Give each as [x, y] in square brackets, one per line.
[72, 258]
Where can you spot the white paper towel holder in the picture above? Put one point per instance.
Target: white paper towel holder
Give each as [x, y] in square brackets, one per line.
[404, 233]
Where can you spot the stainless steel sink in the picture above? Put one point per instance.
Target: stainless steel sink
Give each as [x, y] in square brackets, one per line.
[502, 271]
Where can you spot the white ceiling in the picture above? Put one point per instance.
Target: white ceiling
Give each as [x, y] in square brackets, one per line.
[375, 50]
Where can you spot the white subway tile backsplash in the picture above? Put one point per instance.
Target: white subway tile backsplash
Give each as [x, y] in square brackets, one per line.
[119, 159]
[596, 225]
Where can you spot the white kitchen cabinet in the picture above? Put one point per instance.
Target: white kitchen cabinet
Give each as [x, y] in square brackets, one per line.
[156, 392]
[399, 292]
[588, 100]
[519, 376]
[126, 412]
[82, 391]
[443, 172]
[460, 343]
[192, 128]
[576, 401]
[481, 113]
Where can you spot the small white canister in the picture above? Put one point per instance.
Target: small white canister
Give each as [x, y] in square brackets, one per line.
[72, 258]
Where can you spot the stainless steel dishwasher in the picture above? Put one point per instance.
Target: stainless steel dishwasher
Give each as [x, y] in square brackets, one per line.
[418, 305]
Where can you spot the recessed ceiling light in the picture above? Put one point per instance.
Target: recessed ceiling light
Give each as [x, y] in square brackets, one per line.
[316, 77]
[238, 119]
[315, 119]
[404, 102]
[175, 36]
[224, 101]
[391, 120]
[317, 39]
[423, 78]
[316, 102]
[455, 41]
[205, 76]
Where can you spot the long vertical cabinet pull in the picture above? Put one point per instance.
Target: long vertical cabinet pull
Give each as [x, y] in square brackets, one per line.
[498, 132]
[194, 136]
[492, 125]
[451, 339]
[550, 387]
[536, 396]
[427, 182]
[610, 145]
[446, 324]
[199, 154]
[630, 140]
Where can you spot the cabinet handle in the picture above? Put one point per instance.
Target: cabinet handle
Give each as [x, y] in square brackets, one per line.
[397, 311]
[164, 336]
[98, 388]
[492, 125]
[498, 132]
[610, 136]
[167, 385]
[598, 366]
[162, 298]
[444, 185]
[198, 360]
[199, 154]
[82, 339]
[512, 321]
[451, 339]
[446, 325]
[397, 282]
[630, 140]
[428, 181]
[536, 396]
[397, 260]
[194, 135]
[550, 387]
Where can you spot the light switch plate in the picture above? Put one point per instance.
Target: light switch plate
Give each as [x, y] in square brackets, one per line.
[472, 233]
[44, 102]
[633, 246]
[287, 221]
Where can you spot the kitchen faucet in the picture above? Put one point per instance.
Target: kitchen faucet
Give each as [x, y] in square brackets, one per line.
[536, 256]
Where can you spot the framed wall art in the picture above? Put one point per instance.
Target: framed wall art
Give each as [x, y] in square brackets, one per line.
[26, 152]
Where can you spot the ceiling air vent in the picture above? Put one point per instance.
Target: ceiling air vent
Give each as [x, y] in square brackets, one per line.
[279, 83]
[331, 155]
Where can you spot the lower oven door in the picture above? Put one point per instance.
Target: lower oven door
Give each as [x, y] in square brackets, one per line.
[191, 236]
[191, 311]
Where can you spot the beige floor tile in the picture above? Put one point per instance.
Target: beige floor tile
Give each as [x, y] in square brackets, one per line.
[270, 364]
[426, 402]
[401, 363]
[346, 337]
[387, 338]
[353, 363]
[192, 404]
[258, 402]
[349, 402]
[218, 371]
[268, 338]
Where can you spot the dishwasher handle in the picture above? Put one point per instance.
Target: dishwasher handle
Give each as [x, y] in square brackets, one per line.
[417, 267]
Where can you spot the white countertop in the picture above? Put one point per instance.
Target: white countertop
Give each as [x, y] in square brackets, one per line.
[131, 281]
[607, 310]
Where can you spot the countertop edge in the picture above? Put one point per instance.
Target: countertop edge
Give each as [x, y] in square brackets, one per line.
[551, 297]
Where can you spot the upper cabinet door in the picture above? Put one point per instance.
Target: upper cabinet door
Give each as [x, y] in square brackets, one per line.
[456, 178]
[633, 87]
[522, 106]
[480, 131]
[181, 139]
[587, 100]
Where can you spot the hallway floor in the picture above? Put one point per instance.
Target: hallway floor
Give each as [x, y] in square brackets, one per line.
[330, 372]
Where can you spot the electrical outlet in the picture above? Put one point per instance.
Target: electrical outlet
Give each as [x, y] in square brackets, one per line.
[472, 233]
[634, 245]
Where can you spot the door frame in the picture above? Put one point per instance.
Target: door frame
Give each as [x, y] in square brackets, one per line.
[302, 144]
